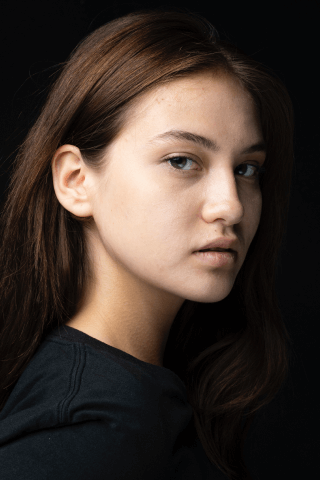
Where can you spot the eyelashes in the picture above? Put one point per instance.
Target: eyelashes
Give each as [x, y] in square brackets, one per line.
[258, 170]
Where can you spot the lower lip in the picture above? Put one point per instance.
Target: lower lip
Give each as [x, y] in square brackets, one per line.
[216, 259]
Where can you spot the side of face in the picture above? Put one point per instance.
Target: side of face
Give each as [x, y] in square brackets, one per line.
[150, 217]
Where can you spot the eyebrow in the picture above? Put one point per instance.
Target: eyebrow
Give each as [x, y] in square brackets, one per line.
[202, 141]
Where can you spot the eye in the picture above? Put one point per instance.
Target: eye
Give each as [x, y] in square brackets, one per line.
[180, 159]
[255, 171]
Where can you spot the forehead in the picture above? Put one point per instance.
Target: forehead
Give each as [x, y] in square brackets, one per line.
[198, 88]
[203, 101]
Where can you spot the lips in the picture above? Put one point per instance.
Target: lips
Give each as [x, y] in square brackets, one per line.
[216, 250]
[222, 244]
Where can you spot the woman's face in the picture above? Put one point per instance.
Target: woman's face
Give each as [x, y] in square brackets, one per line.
[150, 215]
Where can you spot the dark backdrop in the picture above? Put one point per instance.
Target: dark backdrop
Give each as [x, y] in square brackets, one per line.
[36, 35]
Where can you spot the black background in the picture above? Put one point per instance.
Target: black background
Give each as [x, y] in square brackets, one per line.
[36, 36]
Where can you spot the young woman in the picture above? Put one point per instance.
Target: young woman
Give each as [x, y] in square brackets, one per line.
[126, 351]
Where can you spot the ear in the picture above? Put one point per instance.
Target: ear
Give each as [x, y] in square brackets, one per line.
[71, 181]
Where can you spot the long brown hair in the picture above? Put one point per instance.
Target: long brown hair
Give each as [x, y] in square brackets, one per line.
[233, 355]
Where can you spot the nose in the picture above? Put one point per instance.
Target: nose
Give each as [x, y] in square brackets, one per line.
[221, 200]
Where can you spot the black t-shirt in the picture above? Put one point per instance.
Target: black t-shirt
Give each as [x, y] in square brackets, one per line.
[83, 409]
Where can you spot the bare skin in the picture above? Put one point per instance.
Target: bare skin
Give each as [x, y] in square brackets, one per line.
[149, 216]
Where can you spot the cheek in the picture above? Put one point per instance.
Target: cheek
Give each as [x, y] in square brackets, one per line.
[142, 213]
[253, 207]
[257, 205]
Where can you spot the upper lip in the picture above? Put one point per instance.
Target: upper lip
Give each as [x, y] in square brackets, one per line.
[222, 242]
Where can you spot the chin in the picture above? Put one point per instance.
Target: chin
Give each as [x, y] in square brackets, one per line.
[211, 294]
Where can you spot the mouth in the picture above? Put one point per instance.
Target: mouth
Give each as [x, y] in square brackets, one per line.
[216, 250]
[217, 257]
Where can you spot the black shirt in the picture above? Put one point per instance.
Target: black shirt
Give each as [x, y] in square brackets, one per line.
[83, 409]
